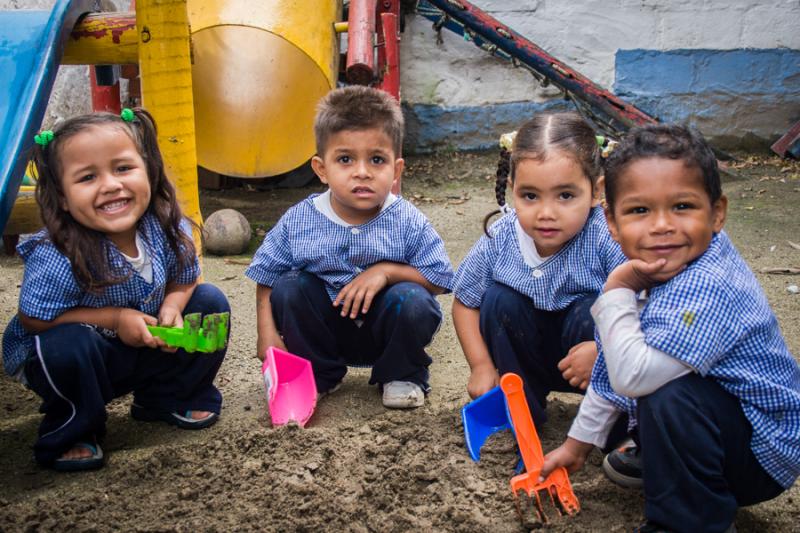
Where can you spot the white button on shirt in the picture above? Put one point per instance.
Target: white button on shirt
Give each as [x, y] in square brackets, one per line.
[355, 231]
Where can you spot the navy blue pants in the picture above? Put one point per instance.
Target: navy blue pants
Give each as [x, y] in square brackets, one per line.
[530, 342]
[77, 371]
[399, 325]
[697, 462]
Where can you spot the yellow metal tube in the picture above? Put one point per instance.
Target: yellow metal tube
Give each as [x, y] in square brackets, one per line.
[103, 39]
[166, 76]
[259, 70]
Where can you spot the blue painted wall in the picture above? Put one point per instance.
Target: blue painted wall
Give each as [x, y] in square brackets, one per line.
[696, 85]
[738, 98]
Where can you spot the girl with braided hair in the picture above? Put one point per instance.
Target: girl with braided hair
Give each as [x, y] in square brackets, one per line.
[523, 293]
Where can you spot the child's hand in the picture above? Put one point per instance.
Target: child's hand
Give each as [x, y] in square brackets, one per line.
[576, 367]
[265, 341]
[572, 455]
[131, 326]
[639, 275]
[357, 295]
[482, 379]
[170, 315]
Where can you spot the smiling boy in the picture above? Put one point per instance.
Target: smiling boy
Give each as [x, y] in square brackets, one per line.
[700, 364]
[348, 277]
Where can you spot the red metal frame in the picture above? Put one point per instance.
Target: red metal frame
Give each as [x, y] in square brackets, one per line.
[360, 51]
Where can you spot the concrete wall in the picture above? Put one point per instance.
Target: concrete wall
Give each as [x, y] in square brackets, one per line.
[729, 67]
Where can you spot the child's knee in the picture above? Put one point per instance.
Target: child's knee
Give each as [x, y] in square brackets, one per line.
[66, 347]
[210, 299]
[293, 287]
[500, 298]
[413, 304]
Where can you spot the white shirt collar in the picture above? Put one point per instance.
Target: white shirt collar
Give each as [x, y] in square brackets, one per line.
[323, 205]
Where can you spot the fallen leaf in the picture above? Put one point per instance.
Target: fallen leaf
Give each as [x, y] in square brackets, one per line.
[780, 270]
[793, 245]
[749, 208]
[236, 262]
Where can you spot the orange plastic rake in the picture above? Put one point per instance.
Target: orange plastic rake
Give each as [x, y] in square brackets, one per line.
[557, 484]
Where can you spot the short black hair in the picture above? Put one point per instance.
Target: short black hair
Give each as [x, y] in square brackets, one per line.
[356, 107]
[668, 141]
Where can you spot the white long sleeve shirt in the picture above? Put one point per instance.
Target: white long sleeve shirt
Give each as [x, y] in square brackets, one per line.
[634, 368]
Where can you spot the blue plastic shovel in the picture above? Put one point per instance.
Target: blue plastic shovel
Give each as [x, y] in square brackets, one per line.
[482, 417]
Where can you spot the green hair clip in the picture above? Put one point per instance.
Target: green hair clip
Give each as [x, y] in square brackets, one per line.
[127, 115]
[43, 138]
[601, 140]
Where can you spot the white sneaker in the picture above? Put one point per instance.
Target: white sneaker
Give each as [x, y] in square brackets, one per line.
[402, 395]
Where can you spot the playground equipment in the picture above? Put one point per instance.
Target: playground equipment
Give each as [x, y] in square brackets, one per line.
[238, 101]
[556, 485]
[34, 43]
[206, 336]
[609, 113]
[291, 389]
[483, 417]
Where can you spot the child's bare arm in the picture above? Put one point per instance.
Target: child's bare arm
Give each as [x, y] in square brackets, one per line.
[357, 295]
[175, 299]
[267, 330]
[483, 376]
[130, 324]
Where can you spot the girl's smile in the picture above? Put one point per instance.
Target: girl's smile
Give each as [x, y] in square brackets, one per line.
[105, 183]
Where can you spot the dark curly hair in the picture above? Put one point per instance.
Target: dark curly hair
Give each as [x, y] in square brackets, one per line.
[565, 133]
[88, 250]
[665, 141]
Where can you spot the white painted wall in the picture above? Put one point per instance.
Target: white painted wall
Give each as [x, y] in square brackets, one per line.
[585, 35]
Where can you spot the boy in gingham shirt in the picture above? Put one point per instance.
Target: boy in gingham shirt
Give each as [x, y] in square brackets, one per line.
[700, 365]
[348, 277]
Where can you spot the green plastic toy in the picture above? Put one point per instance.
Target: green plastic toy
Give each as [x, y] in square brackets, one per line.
[209, 337]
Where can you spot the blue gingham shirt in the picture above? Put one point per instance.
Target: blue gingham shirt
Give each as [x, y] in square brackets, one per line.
[305, 239]
[714, 317]
[580, 268]
[49, 287]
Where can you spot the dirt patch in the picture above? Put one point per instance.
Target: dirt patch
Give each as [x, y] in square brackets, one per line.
[357, 467]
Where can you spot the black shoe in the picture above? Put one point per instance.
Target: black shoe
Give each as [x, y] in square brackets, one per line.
[623, 466]
[184, 421]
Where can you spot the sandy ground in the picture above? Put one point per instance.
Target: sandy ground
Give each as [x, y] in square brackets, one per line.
[357, 466]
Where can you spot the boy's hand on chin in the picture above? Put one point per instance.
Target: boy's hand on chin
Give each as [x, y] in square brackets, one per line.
[638, 275]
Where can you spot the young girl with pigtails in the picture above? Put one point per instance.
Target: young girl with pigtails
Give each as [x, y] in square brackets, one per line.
[523, 293]
[115, 256]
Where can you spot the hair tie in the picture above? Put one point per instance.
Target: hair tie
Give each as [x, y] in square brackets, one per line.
[43, 138]
[127, 115]
[507, 140]
[608, 148]
[505, 209]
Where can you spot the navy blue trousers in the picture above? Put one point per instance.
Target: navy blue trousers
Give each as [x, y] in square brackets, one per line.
[399, 325]
[77, 371]
[530, 342]
[697, 462]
